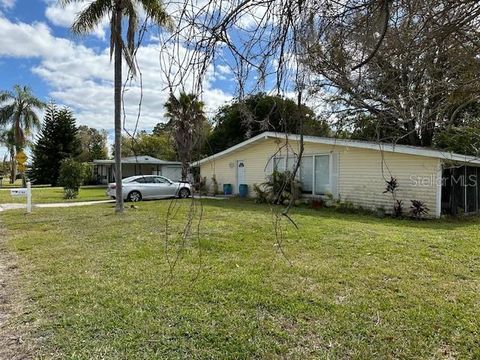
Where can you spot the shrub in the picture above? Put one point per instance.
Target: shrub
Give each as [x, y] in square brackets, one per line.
[215, 185]
[398, 208]
[69, 193]
[261, 196]
[317, 203]
[72, 176]
[347, 207]
[281, 187]
[418, 209]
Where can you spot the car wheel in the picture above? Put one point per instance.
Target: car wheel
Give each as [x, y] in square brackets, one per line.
[183, 193]
[134, 196]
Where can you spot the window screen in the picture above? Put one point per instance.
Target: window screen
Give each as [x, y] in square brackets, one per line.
[458, 185]
[471, 188]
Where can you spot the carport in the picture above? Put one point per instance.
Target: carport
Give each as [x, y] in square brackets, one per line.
[104, 170]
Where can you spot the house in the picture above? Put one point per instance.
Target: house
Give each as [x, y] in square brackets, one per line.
[353, 171]
[104, 170]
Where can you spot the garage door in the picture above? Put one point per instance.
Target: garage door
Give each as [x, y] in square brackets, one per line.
[172, 172]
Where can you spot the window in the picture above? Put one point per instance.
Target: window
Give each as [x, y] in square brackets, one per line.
[306, 174]
[145, 180]
[291, 162]
[279, 163]
[160, 180]
[322, 174]
[316, 174]
[282, 163]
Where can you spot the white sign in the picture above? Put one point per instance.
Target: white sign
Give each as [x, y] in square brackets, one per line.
[19, 192]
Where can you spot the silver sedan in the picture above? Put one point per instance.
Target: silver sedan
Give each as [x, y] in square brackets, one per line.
[136, 188]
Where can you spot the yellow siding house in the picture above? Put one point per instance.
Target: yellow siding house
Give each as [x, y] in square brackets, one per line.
[353, 171]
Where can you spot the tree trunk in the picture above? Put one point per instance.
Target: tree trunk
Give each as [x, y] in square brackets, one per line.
[118, 107]
[13, 166]
[184, 170]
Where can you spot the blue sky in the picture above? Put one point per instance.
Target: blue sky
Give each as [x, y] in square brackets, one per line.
[38, 50]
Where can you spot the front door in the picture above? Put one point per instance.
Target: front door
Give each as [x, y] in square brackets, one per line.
[240, 173]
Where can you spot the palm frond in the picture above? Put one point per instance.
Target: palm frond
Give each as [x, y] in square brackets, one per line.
[30, 121]
[90, 17]
[155, 10]
[132, 14]
[5, 96]
[6, 114]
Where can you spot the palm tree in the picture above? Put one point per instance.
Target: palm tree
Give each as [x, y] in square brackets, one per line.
[186, 121]
[7, 139]
[88, 20]
[17, 110]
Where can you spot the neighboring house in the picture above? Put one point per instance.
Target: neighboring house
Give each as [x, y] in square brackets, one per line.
[104, 170]
[354, 171]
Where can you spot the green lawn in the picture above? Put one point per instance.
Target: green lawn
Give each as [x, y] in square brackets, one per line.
[54, 194]
[357, 287]
[5, 183]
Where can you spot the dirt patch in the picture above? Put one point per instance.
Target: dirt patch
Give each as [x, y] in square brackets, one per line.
[13, 332]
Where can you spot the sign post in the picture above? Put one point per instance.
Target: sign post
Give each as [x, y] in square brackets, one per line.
[24, 192]
[29, 197]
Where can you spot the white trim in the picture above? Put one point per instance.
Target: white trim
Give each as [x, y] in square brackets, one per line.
[438, 210]
[236, 172]
[400, 149]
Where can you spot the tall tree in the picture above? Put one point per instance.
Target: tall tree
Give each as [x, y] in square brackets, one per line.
[186, 123]
[116, 10]
[7, 139]
[58, 140]
[158, 146]
[93, 143]
[424, 70]
[17, 110]
[257, 113]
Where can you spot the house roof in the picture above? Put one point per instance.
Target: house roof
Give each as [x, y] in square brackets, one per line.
[140, 159]
[400, 149]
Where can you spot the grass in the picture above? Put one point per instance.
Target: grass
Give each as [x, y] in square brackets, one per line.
[5, 183]
[54, 195]
[357, 287]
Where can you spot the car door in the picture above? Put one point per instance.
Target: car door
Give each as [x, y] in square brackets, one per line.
[146, 185]
[163, 187]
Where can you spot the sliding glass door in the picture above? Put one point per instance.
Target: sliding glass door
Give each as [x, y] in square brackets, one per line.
[306, 174]
[322, 174]
[315, 174]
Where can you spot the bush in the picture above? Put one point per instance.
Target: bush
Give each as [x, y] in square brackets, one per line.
[418, 209]
[215, 186]
[72, 176]
[261, 196]
[280, 187]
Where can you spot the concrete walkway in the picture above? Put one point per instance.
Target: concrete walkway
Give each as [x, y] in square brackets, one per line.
[4, 207]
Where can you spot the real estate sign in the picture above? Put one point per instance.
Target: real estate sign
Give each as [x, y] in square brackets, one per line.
[19, 192]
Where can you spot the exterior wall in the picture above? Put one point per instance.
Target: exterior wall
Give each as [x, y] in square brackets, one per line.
[361, 173]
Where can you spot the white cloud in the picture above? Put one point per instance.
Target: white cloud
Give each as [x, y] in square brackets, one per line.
[64, 16]
[81, 77]
[7, 4]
